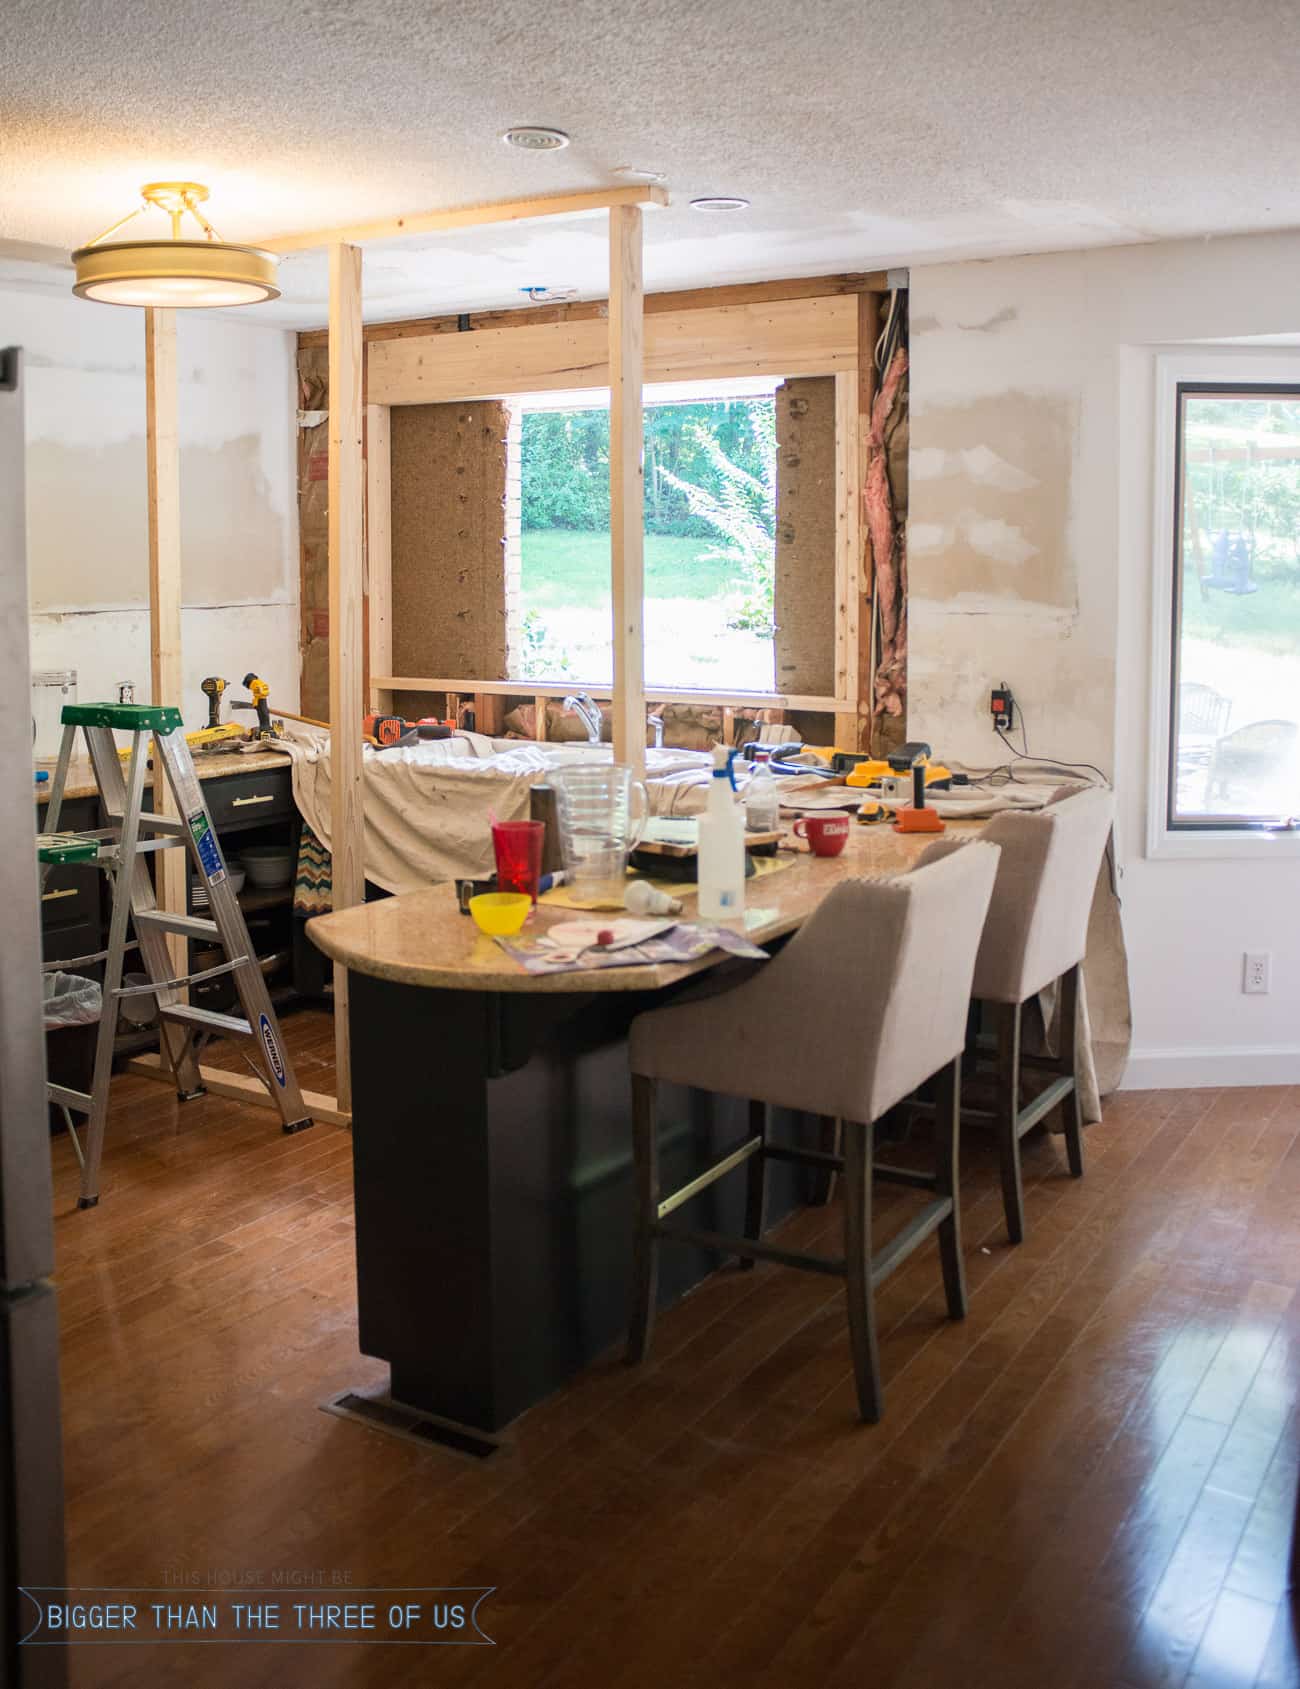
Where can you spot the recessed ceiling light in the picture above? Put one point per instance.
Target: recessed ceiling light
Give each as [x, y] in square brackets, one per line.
[535, 137]
[635, 175]
[720, 202]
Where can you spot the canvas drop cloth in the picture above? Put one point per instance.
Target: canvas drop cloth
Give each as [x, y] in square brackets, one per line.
[427, 811]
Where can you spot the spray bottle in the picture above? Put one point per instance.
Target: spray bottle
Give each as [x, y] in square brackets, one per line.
[722, 845]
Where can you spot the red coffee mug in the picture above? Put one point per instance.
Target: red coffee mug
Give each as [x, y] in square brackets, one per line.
[826, 834]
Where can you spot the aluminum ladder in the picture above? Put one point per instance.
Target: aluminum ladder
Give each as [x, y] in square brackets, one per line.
[120, 849]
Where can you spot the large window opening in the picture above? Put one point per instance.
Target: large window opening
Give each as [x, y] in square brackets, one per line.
[710, 523]
[1235, 701]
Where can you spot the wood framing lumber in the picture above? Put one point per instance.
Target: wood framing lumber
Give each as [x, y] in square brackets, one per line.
[785, 338]
[346, 554]
[588, 310]
[602, 690]
[626, 484]
[472, 216]
[162, 458]
[244, 1087]
[379, 552]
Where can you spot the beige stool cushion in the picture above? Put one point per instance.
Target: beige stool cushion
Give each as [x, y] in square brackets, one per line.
[867, 1000]
[1038, 919]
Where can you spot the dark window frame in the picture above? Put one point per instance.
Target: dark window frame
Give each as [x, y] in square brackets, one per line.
[1184, 390]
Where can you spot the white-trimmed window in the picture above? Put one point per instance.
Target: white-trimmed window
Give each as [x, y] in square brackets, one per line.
[1226, 674]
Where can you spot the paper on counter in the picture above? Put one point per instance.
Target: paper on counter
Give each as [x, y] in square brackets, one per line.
[684, 941]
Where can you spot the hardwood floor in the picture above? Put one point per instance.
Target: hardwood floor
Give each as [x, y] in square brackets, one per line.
[1091, 1482]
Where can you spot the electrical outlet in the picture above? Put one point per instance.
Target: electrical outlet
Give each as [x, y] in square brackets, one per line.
[1256, 967]
[1002, 707]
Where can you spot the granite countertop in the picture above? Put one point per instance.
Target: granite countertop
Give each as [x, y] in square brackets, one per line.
[212, 766]
[421, 938]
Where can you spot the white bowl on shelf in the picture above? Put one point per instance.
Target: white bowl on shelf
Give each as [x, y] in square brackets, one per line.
[268, 866]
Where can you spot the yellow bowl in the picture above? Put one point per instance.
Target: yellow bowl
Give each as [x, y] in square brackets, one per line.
[499, 913]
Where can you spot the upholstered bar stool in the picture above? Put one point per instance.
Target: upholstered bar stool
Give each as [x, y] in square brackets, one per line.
[866, 1002]
[1036, 934]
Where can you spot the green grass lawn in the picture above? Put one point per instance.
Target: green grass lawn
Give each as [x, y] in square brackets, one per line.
[1267, 620]
[565, 569]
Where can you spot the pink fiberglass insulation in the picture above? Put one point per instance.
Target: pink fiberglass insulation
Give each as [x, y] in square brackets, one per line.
[888, 551]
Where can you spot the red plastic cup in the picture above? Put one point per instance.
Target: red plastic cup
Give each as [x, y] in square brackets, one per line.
[518, 847]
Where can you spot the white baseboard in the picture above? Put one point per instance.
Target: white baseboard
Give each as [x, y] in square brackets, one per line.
[1230, 1065]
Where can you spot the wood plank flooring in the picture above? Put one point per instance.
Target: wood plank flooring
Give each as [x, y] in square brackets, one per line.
[1091, 1482]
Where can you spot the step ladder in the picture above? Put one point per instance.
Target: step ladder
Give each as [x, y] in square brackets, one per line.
[120, 849]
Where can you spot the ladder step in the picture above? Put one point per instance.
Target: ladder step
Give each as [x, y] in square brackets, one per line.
[69, 1098]
[162, 824]
[207, 1017]
[188, 926]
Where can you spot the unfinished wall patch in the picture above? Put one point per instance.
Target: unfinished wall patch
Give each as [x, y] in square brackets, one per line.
[991, 503]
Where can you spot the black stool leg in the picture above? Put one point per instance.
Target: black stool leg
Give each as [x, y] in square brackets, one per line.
[755, 1181]
[1008, 1115]
[645, 1245]
[858, 1150]
[1071, 1108]
[947, 1134]
[831, 1141]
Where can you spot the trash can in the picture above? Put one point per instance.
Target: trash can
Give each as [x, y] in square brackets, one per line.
[71, 1008]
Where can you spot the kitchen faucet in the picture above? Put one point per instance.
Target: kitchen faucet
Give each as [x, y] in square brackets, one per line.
[581, 705]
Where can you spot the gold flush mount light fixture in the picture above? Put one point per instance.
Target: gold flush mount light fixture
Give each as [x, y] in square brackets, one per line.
[175, 273]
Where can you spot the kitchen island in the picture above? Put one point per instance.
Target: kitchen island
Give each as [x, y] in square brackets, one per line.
[492, 1138]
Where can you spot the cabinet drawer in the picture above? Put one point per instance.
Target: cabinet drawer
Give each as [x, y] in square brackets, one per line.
[249, 800]
[71, 895]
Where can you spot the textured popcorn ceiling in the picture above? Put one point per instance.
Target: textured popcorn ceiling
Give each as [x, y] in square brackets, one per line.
[864, 134]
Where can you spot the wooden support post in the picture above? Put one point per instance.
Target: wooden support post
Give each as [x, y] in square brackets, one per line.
[868, 334]
[626, 488]
[539, 719]
[848, 560]
[346, 554]
[379, 553]
[162, 453]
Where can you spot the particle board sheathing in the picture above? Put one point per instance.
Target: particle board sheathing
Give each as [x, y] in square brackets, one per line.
[805, 535]
[448, 472]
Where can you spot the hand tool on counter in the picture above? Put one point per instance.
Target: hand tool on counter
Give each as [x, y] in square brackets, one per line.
[214, 686]
[919, 818]
[383, 730]
[258, 693]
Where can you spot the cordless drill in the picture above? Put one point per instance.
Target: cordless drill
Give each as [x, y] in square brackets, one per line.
[258, 692]
[214, 687]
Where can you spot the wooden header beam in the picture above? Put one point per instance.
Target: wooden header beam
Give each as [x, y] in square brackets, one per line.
[856, 283]
[472, 216]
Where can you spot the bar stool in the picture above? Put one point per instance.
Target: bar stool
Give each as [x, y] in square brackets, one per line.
[1036, 934]
[866, 1002]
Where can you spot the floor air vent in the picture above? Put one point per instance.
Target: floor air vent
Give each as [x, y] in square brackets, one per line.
[382, 1413]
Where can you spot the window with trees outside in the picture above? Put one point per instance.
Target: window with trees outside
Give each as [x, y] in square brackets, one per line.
[1235, 701]
[710, 498]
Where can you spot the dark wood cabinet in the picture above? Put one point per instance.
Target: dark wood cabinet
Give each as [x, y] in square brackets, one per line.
[256, 807]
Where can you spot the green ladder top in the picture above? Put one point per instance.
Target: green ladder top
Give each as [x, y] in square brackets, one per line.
[65, 847]
[129, 718]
